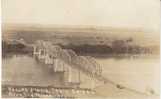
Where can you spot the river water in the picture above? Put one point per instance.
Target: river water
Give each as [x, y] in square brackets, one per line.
[141, 73]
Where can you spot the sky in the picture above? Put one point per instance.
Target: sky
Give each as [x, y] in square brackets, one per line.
[144, 14]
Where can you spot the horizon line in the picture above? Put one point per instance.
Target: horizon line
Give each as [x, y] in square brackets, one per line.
[72, 27]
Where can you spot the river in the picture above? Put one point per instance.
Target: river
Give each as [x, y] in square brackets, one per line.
[141, 73]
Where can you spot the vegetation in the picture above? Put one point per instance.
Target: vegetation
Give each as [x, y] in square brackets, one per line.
[117, 47]
[14, 47]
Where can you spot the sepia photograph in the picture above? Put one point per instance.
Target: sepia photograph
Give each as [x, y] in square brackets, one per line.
[69, 49]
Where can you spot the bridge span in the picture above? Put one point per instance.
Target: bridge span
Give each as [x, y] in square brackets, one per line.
[73, 65]
[67, 61]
